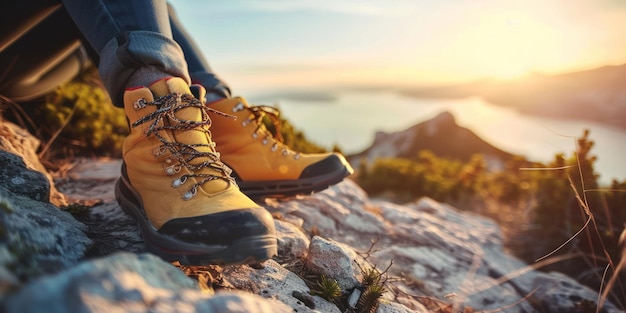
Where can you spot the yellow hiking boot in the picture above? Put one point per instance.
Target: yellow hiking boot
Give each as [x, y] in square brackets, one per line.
[186, 203]
[262, 165]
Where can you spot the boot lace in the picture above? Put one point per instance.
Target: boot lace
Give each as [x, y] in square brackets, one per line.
[258, 113]
[164, 120]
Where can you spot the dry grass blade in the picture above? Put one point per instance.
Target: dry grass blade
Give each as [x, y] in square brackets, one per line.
[620, 267]
[523, 270]
[18, 112]
[566, 242]
[580, 201]
[514, 304]
[57, 133]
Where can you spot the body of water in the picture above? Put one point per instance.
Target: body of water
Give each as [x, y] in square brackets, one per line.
[351, 119]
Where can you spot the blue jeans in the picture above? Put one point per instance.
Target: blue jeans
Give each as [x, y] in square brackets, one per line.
[131, 34]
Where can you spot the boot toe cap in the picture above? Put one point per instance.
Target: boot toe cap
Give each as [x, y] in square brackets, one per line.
[222, 228]
[332, 164]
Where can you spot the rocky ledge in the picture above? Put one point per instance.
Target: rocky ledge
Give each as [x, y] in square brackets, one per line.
[339, 251]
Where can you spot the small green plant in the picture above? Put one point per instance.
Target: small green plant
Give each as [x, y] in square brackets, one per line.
[373, 282]
[327, 288]
[374, 288]
[371, 277]
[370, 298]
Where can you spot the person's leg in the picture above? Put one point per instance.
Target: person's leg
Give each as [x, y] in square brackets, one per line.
[262, 165]
[173, 181]
[133, 40]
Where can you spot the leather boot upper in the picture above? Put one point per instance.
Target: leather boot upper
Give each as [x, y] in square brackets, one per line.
[170, 157]
[250, 149]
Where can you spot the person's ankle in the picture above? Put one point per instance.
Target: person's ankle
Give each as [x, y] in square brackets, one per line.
[211, 97]
[146, 76]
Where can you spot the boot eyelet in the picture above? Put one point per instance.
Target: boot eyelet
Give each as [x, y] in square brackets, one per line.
[265, 141]
[159, 151]
[274, 148]
[171, 170]
[245, 122]
[190, 194]
[285, 152]
[179, 181]
[238, 107]
[255, 135]
[140, 104]
[296, 156]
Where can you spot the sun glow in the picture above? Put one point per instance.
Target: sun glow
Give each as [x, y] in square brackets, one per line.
[426, 41]
[499, 44]
[510, 48]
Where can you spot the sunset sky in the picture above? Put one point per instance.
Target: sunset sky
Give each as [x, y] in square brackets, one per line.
[402, 42]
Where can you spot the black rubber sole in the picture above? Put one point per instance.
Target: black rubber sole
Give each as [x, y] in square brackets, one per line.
[247, 250]
[288, 188]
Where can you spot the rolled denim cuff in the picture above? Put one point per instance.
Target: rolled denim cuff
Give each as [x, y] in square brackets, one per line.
[127, 52]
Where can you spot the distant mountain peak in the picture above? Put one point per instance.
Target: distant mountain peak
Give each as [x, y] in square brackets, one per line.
[444, 117]
[441, 122]
[441, 135]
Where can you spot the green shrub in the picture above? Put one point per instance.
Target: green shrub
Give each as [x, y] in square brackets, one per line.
[86, 117]
[77, 118]
[427, 175]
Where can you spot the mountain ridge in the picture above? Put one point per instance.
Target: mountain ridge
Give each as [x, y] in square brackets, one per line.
[441, 135]
[596, 95]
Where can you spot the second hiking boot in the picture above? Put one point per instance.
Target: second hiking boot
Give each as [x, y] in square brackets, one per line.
[187, 205]
[262, 165]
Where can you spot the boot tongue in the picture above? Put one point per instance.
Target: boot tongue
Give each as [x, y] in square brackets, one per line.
[166, 86]
[175, 84]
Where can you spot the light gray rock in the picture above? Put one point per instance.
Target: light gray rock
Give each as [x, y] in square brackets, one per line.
[441, 252]
[313, 218]
[127, 282]
[337, 260]
[552, 292]
[292, 242]
[557, 292]
[391, 307]
[91, 179]
[441, 274]
[275, 282]
[337, 212]
[20, 180]
[17, 141]
[36, 238]
[442, 255]
[112, 230]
